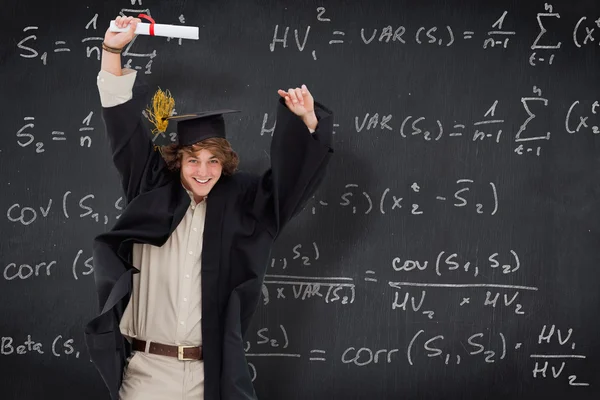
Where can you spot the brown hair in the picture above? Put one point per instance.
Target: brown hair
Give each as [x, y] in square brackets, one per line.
[221, 148]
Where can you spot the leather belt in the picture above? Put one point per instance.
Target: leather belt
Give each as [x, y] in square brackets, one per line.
[183, 353]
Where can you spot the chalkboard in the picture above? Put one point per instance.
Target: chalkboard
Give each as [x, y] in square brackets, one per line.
[452, 252]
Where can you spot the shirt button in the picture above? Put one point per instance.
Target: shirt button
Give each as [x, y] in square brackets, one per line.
[191, 252]
[195, 229]
[185, 299]
[193, 207]
[187, 275]
[181, 322]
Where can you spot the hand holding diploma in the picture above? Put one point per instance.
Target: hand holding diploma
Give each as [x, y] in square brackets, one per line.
[122, 30]
[127, 27]
[153, 29]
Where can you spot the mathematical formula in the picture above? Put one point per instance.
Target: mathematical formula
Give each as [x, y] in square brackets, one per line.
[580, 117]
[388, 201]
[26, 271]
[26, 215]
[487, 347]
[497, 37]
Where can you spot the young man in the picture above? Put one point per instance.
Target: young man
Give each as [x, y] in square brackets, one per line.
[179, 275]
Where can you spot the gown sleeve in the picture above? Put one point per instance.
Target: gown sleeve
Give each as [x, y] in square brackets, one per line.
[140, 167]
[299, 161]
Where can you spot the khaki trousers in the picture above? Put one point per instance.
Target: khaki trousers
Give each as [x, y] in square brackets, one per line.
[155, 377]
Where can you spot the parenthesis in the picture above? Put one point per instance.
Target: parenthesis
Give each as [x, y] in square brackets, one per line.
[495, 193]
[253, 370]
[451, 36]
[441, 130]
[402, 126]
[54, 353]
[75, 263]
[569, 117]
[316, 250]
[410, 346]
[437, 263]
[284, 263]
[514, 253]
[385, 192]
[417, 35]
[353, 294]
[285, 336]
[370, 203]
[576, 29]
[68, 192]
[503, 346]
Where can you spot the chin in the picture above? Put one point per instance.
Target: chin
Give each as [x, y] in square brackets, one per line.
[201, 192]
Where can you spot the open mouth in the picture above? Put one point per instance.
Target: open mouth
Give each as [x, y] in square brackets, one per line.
[202, 181]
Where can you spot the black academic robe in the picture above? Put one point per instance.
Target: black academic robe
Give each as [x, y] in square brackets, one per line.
[245, 214]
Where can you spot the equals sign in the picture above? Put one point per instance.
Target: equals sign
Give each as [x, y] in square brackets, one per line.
[370, 279]
[335, 126]
[457, 133]
[468, 34]
[317, 358]
[337, 41]
[57, 135]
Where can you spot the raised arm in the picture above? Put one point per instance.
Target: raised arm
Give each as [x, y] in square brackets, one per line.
[123, 97]
[299, 158]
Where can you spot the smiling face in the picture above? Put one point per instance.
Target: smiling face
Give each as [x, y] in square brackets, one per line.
[199, 172]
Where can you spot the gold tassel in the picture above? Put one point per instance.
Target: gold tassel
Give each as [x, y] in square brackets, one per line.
[162, 107]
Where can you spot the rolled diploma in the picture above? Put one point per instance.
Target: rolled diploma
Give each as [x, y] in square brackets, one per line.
[174, 31]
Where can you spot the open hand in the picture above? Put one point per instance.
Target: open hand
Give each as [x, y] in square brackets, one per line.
[299, 101]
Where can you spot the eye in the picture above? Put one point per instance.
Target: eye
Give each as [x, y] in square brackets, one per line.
[192, 160]
[214, 161]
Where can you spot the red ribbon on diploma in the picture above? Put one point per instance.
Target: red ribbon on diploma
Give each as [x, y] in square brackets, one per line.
[149, 18]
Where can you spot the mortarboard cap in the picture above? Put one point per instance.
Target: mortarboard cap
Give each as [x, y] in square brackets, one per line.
[195, 127]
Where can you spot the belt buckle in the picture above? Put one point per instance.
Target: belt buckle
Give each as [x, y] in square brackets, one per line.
[180, 353]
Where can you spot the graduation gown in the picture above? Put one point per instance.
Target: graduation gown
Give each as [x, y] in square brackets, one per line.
[245, 214]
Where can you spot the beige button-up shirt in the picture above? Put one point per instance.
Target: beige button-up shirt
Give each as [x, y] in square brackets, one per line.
[166, 304]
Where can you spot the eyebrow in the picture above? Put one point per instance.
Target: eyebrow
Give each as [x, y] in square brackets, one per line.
[196, 157]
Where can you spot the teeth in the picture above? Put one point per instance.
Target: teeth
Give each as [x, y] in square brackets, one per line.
[198, 180]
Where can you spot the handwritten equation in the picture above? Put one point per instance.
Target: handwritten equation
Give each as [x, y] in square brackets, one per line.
[387, 201]
[16, 271]
[581, 117]
[28, 214]
[26, 137]
[28, 46]
[544, 47]
[60, 346]
[485, 346]
[343, 289]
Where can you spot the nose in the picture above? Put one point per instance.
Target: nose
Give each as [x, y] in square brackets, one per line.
[202, 170]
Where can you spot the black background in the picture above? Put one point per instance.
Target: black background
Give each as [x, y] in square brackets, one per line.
[546, 213]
